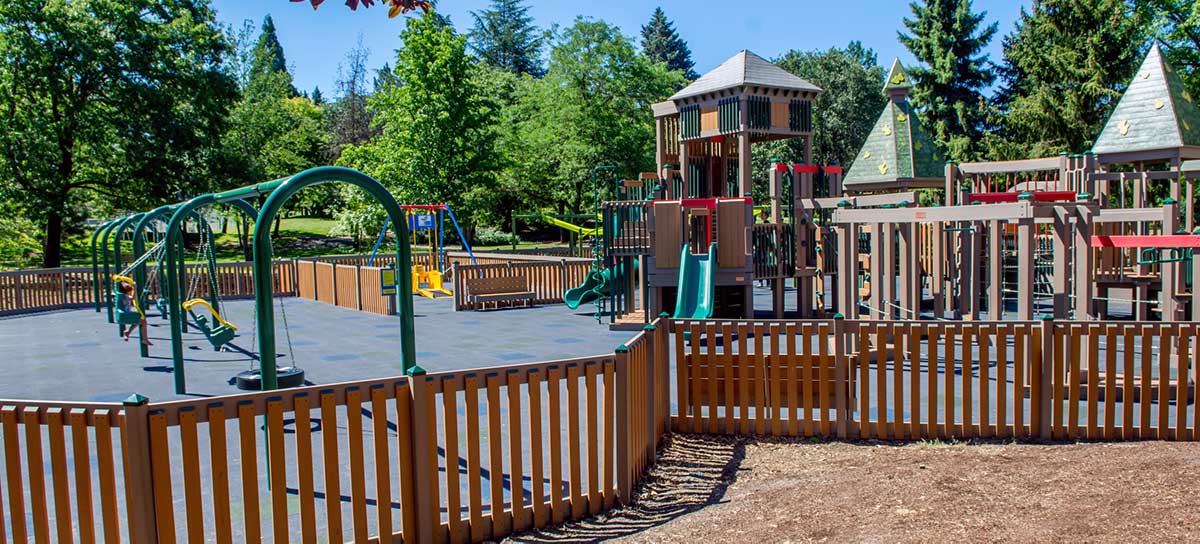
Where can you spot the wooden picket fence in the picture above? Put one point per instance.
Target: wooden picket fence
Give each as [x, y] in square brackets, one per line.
[938, 380]
[549, 279]
[351, 286]
[39, 290]
[461, 456]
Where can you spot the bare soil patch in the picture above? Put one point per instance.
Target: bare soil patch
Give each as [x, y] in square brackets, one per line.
[712, 489]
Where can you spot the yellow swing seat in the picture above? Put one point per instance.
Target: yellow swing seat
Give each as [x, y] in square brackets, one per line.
[218, 336]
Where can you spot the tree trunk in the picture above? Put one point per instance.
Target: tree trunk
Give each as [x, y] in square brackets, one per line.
[52, 246]
[278, 222]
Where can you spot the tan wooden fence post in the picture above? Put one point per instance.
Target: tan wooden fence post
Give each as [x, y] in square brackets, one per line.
[333, 281]
[651, 394]
[841, 364]
[425, 466]
[624, 473]
[358, 286]
[139, 480]
[1042, 370]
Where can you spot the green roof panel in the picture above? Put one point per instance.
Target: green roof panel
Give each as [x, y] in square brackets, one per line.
[1155, 113]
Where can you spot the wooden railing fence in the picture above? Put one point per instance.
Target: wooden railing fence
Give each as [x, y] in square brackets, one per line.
[938, 380]
[548, 279]
[461, 456]
[351, 286]
[39, 290]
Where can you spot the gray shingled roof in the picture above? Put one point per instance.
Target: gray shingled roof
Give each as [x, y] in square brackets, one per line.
[1190, 167]
[1155, 113]
[745, 68]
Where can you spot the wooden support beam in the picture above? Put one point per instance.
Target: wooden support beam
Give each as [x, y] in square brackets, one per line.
[937, 286]
[1062, 245]
[995, 271]
[847, 278]
[1025, 263]
[1085, 272]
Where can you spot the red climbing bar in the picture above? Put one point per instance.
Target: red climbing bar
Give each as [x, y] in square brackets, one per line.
[1166, 241]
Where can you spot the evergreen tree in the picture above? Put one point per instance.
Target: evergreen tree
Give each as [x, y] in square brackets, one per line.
[1176, 23]
[317, 98]
[267, 58]
[504, 37]
[350, 120]
[1064, 69]
[661, 43]
[948, 38]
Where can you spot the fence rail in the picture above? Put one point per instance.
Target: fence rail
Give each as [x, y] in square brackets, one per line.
[960, 380]
[461, 456]
[549, 280]
[39, 290]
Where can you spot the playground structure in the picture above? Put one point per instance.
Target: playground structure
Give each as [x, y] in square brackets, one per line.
[428, 276]
[922, 344]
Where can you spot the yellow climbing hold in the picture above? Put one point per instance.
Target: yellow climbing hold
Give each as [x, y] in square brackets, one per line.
[1146, 74]
[866, 153]
[1158, 104]
[898, 78]
[883, 168]
[887, 130]
[1123, 126]
[901, 118]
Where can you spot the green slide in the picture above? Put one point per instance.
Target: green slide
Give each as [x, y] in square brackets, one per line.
[697, 291]
[593, 287]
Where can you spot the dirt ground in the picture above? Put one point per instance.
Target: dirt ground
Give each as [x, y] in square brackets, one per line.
[707, 489]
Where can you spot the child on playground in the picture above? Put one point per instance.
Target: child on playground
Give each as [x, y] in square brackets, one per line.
[125, 301]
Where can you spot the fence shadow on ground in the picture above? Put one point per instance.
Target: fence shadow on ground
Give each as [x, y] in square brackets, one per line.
[691, 472]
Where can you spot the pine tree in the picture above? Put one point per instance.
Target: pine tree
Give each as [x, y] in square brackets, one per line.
[661, 43]
[505, 37]
[948, 38]
[268, 67]
[316, 97]
[1065, 67]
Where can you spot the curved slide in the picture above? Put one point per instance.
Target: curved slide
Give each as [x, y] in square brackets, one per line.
[572, 228]
[593, 287]
[697, 293]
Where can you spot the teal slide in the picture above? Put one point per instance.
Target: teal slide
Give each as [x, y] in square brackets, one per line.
[593, 287]
[697, 291]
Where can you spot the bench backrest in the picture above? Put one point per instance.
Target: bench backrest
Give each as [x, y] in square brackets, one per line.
[489, 286]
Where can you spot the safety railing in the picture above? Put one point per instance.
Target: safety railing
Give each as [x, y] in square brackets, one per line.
[452, 456]
[351, 286]
[938, 380]
[630, 221]
[38, 290]
[774, 251]
[548, 280]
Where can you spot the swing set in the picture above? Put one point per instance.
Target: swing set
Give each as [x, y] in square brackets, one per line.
[428, 280]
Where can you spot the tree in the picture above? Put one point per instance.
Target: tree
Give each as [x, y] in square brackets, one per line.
[268, 59]
[273, 132]
[349, 118]
[948, 37]
[395, 7]
[850, 104]
[107, 103]
[661, 43]
[1065, 67]
[505, 37]
[316, 97]
[591, 108]
[1176, 23]
[437, 128]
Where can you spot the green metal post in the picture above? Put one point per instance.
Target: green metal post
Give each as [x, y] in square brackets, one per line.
[106, 280]
[117, 246]
[263, 277]
[96, 279]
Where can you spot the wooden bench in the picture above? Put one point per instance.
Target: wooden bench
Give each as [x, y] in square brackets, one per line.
[510, 290]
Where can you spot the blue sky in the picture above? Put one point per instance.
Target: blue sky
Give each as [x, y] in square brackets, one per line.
[315, 42]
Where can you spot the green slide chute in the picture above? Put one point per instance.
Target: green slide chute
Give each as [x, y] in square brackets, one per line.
[697, 291]
[595, 285]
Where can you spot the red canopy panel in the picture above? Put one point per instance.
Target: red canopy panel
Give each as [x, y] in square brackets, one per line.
[1038, 196]
[1166, 241]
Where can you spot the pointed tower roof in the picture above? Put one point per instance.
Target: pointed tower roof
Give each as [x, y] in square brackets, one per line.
[745, 69]
[897, 153]
[1156, 113]
[897, 79]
